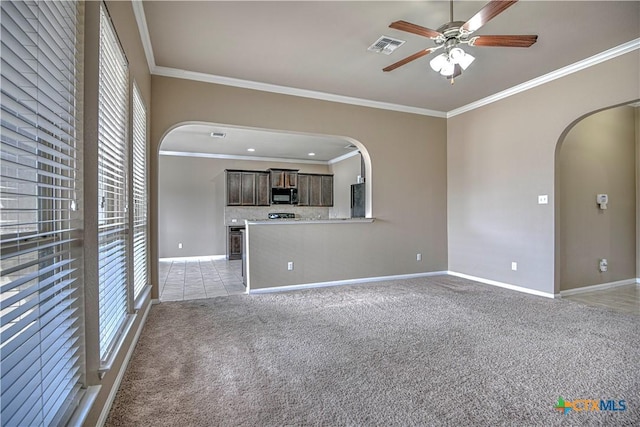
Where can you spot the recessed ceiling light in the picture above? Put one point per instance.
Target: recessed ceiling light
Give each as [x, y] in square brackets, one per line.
[251, 149]
[312, 154]
[218, 134]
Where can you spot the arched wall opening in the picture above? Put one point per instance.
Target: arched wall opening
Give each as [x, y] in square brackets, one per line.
[191, 187]
[598, 154]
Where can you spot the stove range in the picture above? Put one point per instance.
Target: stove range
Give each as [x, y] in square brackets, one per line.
[281, 215]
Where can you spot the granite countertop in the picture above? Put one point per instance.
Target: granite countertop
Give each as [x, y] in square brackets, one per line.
[309, 221]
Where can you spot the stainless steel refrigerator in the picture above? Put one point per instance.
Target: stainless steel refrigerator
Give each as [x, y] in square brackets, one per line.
[357, 200]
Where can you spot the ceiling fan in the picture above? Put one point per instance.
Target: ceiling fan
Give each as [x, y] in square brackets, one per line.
[449, 36]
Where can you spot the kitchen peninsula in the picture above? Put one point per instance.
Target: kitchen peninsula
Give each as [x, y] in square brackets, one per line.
[297, 253]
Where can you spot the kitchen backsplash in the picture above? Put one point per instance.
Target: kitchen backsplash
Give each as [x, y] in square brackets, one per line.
[240, 214]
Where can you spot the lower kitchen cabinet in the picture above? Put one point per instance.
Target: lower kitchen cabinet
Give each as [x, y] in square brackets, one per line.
[234, 242]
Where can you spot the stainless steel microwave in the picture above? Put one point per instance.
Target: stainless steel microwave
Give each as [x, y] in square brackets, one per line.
[284, 196]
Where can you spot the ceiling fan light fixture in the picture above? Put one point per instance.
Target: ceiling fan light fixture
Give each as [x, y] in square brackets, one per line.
[460, 57]
[438, 62]
[465, 60]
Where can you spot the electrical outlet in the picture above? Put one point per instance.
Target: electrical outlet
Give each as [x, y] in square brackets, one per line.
[543, 199]
[179, 245]
[603, 265]
[418, 257]
[290, 265]
[514, 266]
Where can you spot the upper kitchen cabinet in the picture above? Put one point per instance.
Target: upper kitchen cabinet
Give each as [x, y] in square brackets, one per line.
[234, 188]
[284, 178]
[315, 190]
[326, 190]
[263, 189]
[303, 189]
[247, 188]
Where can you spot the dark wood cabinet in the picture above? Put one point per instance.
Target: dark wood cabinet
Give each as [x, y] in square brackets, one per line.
[248, 188]
[284, 178]
[315, 190]
[263, 189]
[253, 188]
[234, 242]
[303, 190]
[326, 190]
[234, 188]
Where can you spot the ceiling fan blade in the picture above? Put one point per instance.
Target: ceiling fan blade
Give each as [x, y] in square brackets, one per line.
[415, 29]
[408, 59]
[503, 41]
[486, 14]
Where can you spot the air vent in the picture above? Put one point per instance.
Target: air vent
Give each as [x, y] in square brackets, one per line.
[218, 134]
[386, 45]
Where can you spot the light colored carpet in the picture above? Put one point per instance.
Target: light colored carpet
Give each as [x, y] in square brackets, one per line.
[430, 351]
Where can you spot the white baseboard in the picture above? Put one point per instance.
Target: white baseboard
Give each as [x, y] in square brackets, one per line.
[502, 285]
[599, 287]
[344, 282]
[116, 384]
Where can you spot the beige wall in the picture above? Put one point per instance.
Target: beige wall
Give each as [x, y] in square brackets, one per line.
[192, 198]
[407, 151]
[598, 156]
[345, 173]
[502, 156]
[124, 22]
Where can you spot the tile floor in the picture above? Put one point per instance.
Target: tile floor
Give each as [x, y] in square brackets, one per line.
[202, 277]
[625, 299]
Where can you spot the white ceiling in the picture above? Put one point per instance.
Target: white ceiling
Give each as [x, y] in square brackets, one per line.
[321, 46]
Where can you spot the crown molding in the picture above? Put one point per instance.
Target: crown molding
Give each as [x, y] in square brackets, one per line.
[286, 90]
[343, 157]
[236, 157]
[141, 20]
[561, 72]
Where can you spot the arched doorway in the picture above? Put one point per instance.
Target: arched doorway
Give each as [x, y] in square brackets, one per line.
[597, 243]
[193, 216]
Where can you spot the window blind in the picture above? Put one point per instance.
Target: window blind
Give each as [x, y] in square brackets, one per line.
[113, 91]
[40, 287]
[140, 274]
